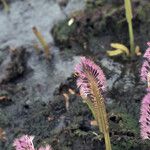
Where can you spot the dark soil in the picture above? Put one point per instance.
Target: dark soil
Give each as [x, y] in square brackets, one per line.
[66, 125]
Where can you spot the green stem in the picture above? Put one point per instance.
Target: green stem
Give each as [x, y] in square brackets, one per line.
[104, 123]
[95, 113]
[131, 37]
[106, 135]
[107, 141]
[6, 7]
[129, 17]
[43, 42]
[99, 110]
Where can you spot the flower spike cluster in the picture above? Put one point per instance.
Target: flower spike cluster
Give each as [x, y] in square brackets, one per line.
[45, 148]
[147, 53]
[92, 83]
[85, 69]
[145, 117]
[145, 106]
[26, 143]
[146, 64]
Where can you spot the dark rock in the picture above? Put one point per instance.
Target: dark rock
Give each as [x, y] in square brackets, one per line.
[62, 3]
[15, 65]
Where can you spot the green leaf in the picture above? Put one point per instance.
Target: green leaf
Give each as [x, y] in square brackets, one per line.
[122, 47]
[114, 52]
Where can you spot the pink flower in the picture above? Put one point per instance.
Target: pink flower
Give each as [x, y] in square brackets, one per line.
[45, 148]
[147, 52]
[24, 143]
[145, 117]
[89, 73]
[145, 70]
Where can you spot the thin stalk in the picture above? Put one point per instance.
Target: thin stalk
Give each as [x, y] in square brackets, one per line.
[131, 38]
[96, 103]
[106, 133]
[42, 41]
[107, 141]
[100, 111]
[6, 7]
[90, 105]
[104, 122]
[129, 17]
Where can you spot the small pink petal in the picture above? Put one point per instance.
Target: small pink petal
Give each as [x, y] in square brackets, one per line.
[48, 147]
[145, 117]
[85, 67]
[147, 52]
[24, 143]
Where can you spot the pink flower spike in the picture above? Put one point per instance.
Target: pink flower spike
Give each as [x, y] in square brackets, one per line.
[145, 117]
[147, 52]
[87, 69]
[48, 147]
[24, 143]
[145, 70]
[148, 43]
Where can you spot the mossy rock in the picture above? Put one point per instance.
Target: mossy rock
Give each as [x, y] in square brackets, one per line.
[125, 132]
[106, 21]
[62, 32]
